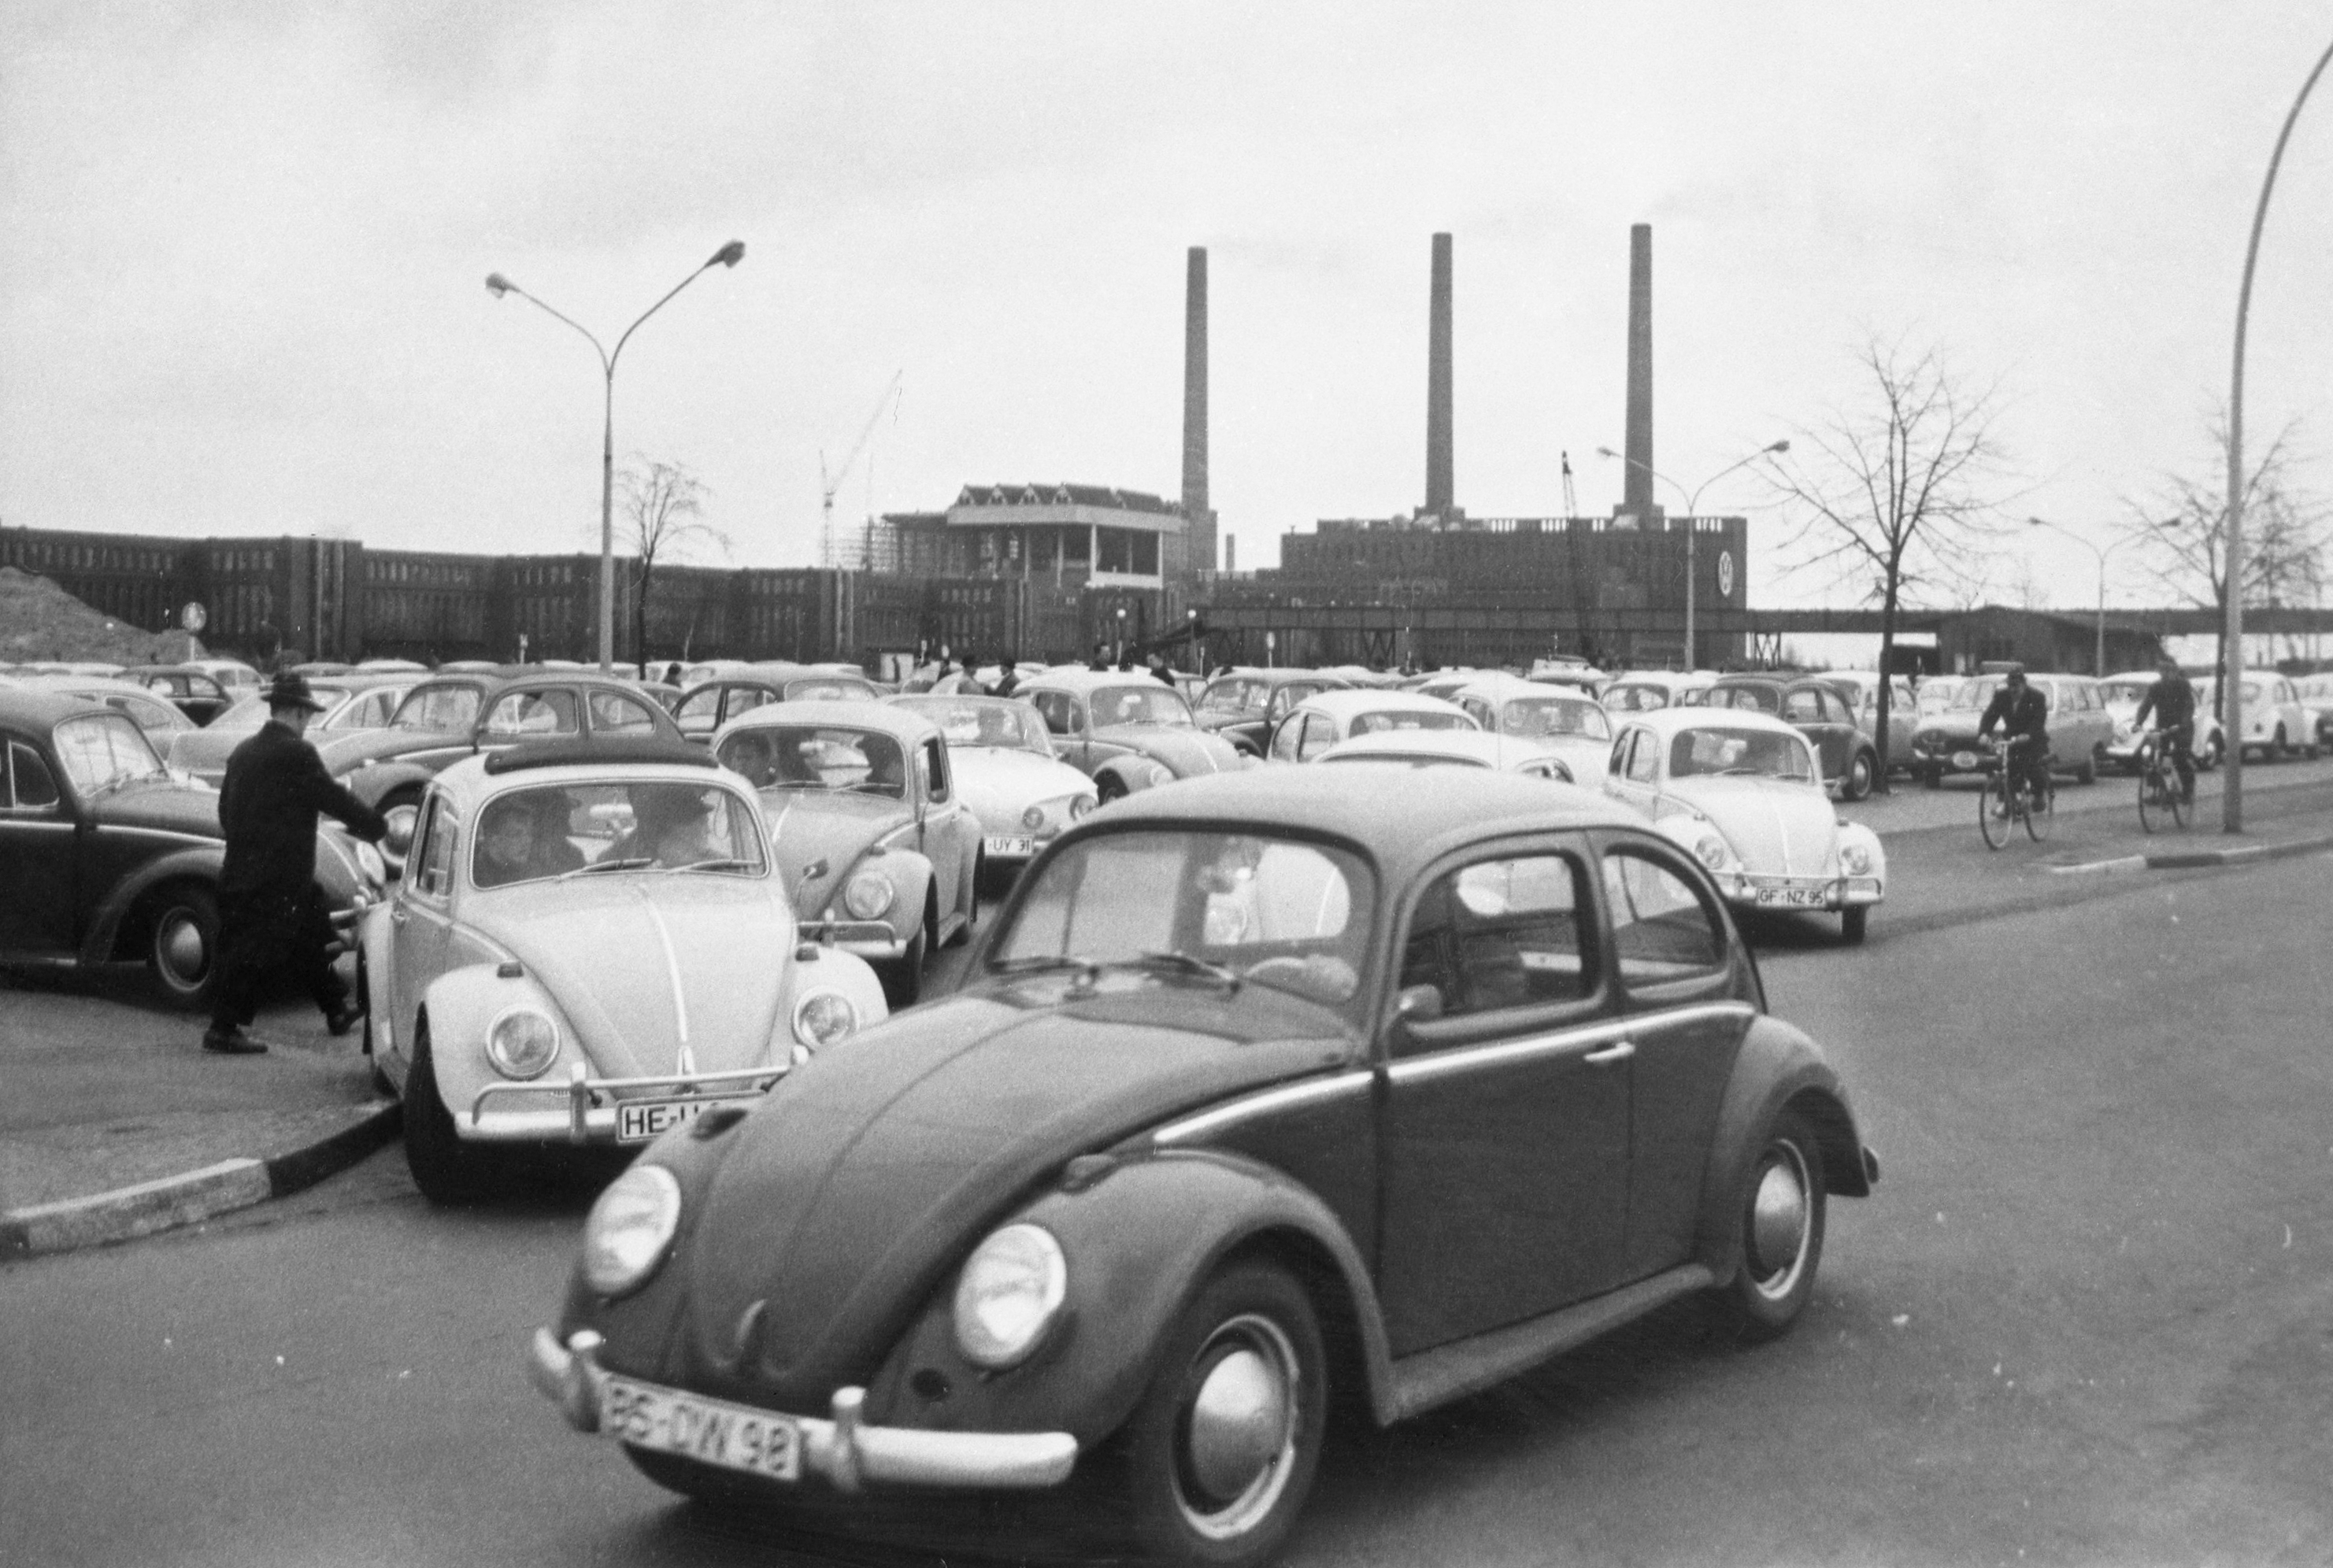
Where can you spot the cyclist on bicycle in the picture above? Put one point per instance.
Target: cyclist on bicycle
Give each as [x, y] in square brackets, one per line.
[2023, 715]
[2172, 701]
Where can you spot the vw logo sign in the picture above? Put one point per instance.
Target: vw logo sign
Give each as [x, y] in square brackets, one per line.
[1725, 573]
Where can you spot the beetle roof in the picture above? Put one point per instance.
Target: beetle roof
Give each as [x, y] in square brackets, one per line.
[1500, 683]
[36, 706]
[1346, 702]
[857, 713]
[1458, 745]
[470, 780]
[1072, 679]
[1379, 806]
[1666, 722]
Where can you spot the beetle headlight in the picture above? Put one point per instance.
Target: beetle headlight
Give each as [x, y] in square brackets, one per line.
[823, 1017]
[1856, 858]
[868, 896]
[1079, 805]
[631, 1228]
[1161, 774]
[1712, 849]
[1009, 1294]
[369, 861]
[1033, 818]
[522, 1042]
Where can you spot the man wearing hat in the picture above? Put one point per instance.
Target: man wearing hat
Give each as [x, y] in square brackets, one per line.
[269, 919]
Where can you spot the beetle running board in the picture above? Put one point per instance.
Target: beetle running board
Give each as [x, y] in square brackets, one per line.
[1450, 1371]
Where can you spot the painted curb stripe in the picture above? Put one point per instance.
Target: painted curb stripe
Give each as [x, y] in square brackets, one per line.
[170, 1201]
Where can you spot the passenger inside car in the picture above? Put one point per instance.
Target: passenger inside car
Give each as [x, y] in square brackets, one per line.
[523, 837]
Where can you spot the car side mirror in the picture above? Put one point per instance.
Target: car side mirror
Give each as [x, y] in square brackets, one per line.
[1420, 1004]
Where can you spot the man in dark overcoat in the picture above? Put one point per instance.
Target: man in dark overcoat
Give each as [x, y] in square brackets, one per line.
[270, 919]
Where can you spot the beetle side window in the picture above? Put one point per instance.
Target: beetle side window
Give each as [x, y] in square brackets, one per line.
[1803, 706]
[932, 763]
[32, 787]
[530, 715]
[1645, 760]
[698, 711]
[434, 854]
[1284, 739]
[1661, 930]
[1500, 935]
[1320, 734]
[614, 713]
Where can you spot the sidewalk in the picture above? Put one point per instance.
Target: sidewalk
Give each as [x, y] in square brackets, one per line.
[114, 1123]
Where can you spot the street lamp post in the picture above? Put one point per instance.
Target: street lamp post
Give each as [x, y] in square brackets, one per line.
[2098, 657]
[728, 255]
[2232, 685]
[1691, 510]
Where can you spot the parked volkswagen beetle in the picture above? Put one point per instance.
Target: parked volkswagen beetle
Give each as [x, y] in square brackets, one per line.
[1293, 1085]
[591, 945]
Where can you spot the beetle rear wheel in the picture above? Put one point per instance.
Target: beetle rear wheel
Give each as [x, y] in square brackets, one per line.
[1781, 1220]
[182, 946]
[1227, 1435]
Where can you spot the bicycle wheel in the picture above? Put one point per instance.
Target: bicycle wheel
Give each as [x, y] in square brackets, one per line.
[2177, 798]
[1993, 809]
[2151, 800]
[2041, 813]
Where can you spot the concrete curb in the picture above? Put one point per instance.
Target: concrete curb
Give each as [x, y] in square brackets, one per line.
[171, 1201]
[2195, 859]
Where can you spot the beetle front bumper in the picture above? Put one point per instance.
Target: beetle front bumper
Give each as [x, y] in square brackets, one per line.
[842, 1448]
[587, 1110]
[1759, 890]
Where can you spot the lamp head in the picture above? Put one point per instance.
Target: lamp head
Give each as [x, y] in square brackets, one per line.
[497, 285]
[1779, 446]
[730, 255]
[1606, 452]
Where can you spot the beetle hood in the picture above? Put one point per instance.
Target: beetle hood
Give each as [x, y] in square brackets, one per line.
[640, 962]
[1774, 825]
[828, 825]
[999, 784]
[864, 1177]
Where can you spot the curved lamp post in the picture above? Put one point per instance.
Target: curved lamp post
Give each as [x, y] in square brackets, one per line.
[2098, 658]
[2231, 685]
[728, 255]
[1692, 510]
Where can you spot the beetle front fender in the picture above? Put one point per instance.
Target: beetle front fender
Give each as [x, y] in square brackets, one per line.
[1131, 771]
[910, 874]
[1139, 1242]
[833, 970]
[461, 1006]
[199, 862]
[375, 784]
[1776, 1067]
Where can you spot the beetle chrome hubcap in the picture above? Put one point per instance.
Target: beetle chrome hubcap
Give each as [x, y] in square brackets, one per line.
[1237, 1433]
[179, 947]
[1778, 1209]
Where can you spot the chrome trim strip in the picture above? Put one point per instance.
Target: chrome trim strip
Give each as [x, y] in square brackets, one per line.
[1466, 1058]
[1286, 1097]
[685, 1059]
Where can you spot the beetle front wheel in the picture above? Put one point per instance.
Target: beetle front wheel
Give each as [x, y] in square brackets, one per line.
[1227, 1435]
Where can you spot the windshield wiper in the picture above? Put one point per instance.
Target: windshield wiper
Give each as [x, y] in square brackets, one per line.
[728, 864]
[1040, 963]
[1185, 963]
[632, 865]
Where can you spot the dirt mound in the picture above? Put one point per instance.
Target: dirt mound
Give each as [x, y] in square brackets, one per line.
[40, 621]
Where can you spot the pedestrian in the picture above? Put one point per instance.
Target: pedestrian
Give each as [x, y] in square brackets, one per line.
[270, 920]
[1008, 679]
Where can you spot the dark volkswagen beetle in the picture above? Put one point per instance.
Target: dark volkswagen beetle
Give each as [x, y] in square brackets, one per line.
[1264, 1086]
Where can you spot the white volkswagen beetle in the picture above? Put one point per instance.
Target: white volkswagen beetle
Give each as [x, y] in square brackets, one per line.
[1742, 792]
[591, 945]
[1007, 772]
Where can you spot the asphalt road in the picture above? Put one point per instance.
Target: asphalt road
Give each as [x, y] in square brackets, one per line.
[2085, 1320]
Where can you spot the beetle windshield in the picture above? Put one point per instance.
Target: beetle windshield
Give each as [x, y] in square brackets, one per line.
[544, 831]
[104, 751]
[1285, 913]
[1758, 753]
[437, 708]
[1547, 716]
[996, 721]
[1409, 719]
[1234, 695]
[815, 757]
[2124, 693]
[1151, 704]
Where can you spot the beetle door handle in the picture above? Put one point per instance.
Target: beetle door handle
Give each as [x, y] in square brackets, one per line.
[397, 915]
[1610, 1054]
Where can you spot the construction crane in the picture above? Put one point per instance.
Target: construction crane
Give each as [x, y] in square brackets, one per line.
[1571, 501]
[830, 479]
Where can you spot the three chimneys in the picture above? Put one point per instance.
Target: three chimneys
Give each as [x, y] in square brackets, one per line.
[1441, 499]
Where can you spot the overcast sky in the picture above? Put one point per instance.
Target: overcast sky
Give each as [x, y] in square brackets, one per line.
[243, 247]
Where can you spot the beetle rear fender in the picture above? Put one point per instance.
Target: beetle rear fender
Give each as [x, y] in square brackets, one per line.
[1139, 1241]
[377, 783]
[1777, 1066]
[1131, 771]
[107, 927]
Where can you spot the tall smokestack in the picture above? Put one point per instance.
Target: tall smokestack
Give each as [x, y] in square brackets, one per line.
[1201, 520]
[1636, 488]
[1439, 461]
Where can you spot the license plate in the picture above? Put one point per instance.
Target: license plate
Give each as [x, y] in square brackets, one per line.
[638, 1120]
[1794, 897]
[712, 1431]
[1019, 844]
[1963, 759]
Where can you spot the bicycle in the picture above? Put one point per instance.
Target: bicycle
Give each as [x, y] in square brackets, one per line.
[2159, 791]
[1999, 807]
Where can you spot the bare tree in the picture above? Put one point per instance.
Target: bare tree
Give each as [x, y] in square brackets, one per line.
[2182, 534]
[1899, 490]
[663, 519]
